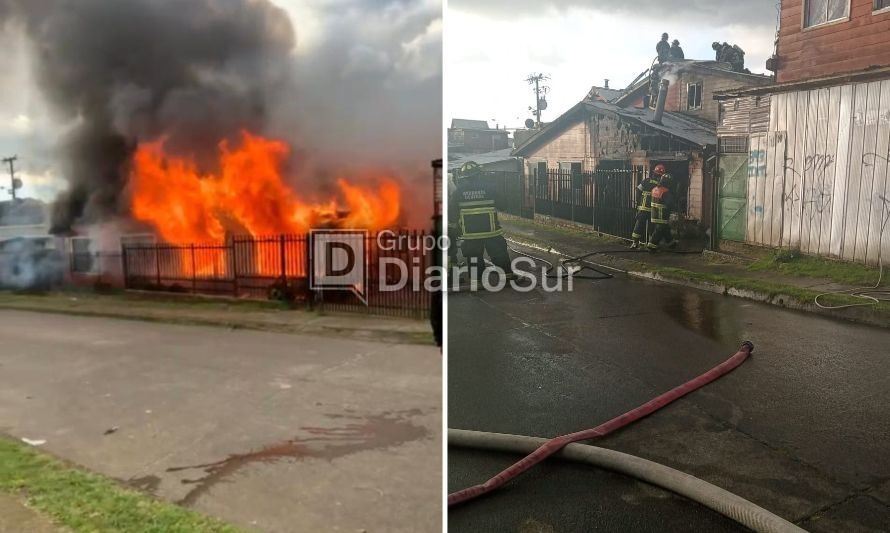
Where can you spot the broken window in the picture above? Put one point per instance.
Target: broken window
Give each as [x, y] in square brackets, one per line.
[822, 11]
[882, 4]
[693, 95]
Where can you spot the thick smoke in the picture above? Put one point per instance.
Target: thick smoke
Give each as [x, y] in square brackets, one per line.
[711, 11]
[116, 72]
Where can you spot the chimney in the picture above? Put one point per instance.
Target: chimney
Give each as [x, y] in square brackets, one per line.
[662, 99]
[607, 83]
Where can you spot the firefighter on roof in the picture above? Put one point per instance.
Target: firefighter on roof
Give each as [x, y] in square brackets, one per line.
[644, 205]
[472, 208]
[662, 199]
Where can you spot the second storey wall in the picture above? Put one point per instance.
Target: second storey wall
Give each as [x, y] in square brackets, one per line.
[851, 45]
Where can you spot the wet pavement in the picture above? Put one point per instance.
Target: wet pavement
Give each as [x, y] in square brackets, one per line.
[269, 431]
[800, 429]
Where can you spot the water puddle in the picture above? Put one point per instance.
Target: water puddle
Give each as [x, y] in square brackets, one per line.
[356, 434]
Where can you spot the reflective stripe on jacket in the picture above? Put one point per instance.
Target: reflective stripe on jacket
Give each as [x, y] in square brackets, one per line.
[660, 213]
[479, 220]
[645, 203]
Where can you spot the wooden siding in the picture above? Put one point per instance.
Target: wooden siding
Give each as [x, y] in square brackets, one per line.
[856, 44]
[817, 181]
[741, 116]
[573, 144]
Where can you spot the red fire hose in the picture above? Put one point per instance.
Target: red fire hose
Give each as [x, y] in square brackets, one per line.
[554, 445]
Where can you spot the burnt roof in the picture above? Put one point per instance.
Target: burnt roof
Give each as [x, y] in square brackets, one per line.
[696, 132]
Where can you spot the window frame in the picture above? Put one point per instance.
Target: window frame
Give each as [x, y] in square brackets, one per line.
[878, 10]
[699, 85]
[841, 20]
[76, 266]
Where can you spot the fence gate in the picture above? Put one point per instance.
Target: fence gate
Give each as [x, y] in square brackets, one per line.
[732, 195]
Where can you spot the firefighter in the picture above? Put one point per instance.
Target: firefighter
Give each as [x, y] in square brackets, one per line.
[676, 51]
[472, 208]
[662, 199]
[663, 48]
[644, 205]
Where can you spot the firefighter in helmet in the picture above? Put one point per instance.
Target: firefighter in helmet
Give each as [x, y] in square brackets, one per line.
[662, 200]
[644, 205]
[471, 206]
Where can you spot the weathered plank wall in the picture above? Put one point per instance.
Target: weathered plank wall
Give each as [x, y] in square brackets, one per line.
[817, 181]
[853, 44]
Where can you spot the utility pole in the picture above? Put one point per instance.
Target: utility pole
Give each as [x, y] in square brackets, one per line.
[540, 92]
[13, 182]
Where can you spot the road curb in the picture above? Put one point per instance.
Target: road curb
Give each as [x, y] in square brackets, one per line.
[369, 334]
[854, 314]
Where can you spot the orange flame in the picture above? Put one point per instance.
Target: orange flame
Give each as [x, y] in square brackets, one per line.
[248, 195]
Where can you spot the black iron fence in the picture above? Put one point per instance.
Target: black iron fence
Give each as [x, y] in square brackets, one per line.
[604, 199]
[278, 267]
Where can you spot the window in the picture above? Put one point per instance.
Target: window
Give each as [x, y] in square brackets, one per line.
[821, 11]
[693, 95]
[81, 256]
[882, 4]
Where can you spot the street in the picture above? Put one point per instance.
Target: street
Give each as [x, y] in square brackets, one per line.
[269, 431]
[801, 428]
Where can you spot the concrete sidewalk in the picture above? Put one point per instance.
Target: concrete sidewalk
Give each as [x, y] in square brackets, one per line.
[16, 517]
[271, 432]
[228, 313]
[718, 273]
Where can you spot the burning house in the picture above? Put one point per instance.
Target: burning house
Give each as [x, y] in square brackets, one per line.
[177, 166]
[610, 134]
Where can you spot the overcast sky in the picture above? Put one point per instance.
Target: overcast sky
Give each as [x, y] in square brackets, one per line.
[368, 90]
[492, 46]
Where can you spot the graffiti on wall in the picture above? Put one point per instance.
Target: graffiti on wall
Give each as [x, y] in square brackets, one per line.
[815, 193]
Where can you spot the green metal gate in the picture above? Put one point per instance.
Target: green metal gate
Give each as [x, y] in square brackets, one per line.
[732, 196]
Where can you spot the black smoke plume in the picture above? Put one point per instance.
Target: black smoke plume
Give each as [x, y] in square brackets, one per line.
[117, 72]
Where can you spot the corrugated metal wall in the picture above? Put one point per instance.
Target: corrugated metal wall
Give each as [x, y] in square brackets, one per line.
[817, 181]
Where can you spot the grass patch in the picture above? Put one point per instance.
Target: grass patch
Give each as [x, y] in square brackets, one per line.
[86, 502]
[771, 289]
[794, 263]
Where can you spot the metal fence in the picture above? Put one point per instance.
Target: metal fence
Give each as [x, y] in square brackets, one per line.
[510, 193]
[278, 267]
[604, 199]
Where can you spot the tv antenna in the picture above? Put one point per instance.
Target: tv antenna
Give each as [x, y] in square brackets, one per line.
[540, 95]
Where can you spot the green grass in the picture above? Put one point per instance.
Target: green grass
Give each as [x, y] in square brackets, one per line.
[86, 502]
[772, 290]
[795, 264]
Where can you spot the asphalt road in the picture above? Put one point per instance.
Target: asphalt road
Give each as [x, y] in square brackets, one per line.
[270, 431]
[801, 428]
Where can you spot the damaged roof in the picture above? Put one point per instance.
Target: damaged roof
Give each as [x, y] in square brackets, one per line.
[697, 132]
[606, 94]
[483, 159]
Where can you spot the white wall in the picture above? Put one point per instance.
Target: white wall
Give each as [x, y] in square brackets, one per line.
[818, 180]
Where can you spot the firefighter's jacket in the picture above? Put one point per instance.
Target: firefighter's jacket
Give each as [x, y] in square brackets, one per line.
[645, 187]
[472, 208]
[661, 201]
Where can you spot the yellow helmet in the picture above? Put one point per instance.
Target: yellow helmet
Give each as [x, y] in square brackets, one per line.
[469, 169]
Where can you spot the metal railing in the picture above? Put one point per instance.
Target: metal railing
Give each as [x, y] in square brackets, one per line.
[604, 199]
[278, 267]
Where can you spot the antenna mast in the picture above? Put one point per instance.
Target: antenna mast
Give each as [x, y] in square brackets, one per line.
[540, 95]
